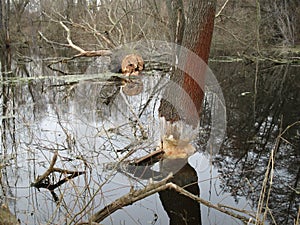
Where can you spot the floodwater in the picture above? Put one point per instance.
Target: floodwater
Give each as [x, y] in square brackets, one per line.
[92, 124]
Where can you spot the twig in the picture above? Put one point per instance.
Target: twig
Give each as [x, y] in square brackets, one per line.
[297, 222]
[89, 28]
[52, 42]
[237, 210]
[265, 194]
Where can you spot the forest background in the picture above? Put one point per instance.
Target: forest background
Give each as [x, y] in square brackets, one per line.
[242, 28]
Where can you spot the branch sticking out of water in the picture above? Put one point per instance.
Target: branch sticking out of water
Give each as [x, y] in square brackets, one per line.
[152, 188]
[43, 181]
[128, 199]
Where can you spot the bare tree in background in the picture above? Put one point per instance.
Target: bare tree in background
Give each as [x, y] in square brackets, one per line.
[5, 17]
[285, 14]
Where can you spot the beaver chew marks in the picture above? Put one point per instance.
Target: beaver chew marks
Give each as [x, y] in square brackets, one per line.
[132, 64]
[176, 149]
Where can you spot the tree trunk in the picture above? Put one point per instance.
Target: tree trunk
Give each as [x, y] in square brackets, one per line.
[1, 18]
[176, 20]
[4, 23]
[197, 38]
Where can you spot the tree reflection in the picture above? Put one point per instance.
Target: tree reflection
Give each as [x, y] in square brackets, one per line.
[71, 117]
[258, 112]
[182, 209]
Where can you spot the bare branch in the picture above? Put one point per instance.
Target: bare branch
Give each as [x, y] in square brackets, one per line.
[131, 197]
[83, 53]
[222, 8]
[152, 188]
[48, 171]
[43, 181]
[71, 44]
[209, 204]
[52, 42]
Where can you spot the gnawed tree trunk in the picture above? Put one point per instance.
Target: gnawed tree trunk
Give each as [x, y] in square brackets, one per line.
[186, 107]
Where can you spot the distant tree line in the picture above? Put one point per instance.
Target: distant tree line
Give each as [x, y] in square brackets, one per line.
[240, 26]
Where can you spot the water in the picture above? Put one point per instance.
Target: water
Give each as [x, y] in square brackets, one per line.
[71, 115]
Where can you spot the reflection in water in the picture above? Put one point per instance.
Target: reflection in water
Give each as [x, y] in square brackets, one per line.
[42, 116]
[180, 208]
[260, 107]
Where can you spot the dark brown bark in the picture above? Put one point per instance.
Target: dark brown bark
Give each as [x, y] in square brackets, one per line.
[4, 26]
[197, 38]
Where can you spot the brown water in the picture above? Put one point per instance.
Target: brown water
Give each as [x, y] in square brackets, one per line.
[92, 125]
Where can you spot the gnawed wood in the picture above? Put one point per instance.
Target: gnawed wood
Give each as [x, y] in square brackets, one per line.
[132, 64]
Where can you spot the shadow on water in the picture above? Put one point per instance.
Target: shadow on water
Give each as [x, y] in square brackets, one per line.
[91, 124]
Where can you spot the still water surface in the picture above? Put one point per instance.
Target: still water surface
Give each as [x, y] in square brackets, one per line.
[91, 124]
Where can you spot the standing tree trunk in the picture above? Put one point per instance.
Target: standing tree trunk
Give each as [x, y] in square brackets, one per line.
[176, 20]
[1, 17]
[4, 23]
[4, 37]
[197, 38]
[191, 77]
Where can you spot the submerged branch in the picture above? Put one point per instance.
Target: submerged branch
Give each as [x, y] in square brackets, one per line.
[152, 188]
[128, 199]
[43, 181]
[47, 173]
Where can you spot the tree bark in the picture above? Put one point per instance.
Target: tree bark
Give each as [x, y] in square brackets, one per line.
[197, 38]
[176, 20]
[1, 17]
[4, 20]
